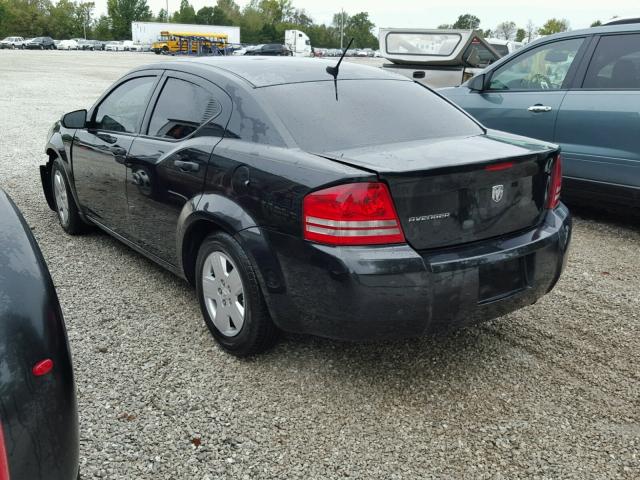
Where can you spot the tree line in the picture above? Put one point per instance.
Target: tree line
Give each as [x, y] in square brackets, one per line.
[509, 30]
[260, 21]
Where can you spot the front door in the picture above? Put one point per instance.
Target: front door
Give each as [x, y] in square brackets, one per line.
[525, 94]
[167, 165]
[99, 152]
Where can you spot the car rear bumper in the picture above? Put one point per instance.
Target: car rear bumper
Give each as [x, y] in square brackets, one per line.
[368, 293]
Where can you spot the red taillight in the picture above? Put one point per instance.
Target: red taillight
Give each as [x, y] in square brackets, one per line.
[352, 214]
[555, 183]
[42, 367]
[4, 463]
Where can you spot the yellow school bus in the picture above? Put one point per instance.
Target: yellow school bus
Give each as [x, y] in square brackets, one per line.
[172, 42]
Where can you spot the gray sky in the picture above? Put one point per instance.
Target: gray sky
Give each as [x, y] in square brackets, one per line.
[431, 13]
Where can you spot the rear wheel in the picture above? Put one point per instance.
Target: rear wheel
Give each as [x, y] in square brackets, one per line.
[230, 298]
[66, 207]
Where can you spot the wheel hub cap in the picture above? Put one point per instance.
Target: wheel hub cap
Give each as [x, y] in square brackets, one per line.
[60, 193]
[223, 293]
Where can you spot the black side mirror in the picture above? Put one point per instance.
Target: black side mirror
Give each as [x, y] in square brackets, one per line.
[477, 83]
[76, 119]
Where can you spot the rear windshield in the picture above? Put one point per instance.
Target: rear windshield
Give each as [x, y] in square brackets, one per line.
[367, 112]
[436, 44]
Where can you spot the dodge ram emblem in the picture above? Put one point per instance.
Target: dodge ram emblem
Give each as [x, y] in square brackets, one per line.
[496, 193]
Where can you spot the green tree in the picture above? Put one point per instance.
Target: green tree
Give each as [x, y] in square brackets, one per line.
[521, 34]
[488, 33]
[206, 15]
[186, 13]
[359, 28]
[102, 29]
[162, 16]
[123, 12]
[597, 23]
[467, 22]
[554, 25]
[445, 26]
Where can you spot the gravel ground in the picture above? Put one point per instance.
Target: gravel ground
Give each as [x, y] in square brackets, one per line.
[551, 391]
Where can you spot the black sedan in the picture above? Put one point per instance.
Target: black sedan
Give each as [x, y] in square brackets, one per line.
[271, 50]
[40, 43]
[38, 413]
[360, 206]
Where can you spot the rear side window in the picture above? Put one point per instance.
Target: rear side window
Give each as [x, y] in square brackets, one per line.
[367, 112]
[615, 63]
[181, 108]
[123, 108]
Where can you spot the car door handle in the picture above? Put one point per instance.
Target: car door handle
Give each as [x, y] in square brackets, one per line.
[186, 166]
[539, 108]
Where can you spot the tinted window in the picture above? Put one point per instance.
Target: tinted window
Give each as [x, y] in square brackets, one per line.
[123, 109]
[367, 112]
[182, 107]
[615, 63]
[541, 68]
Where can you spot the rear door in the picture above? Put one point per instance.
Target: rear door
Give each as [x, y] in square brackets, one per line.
[99, 152]
[167, 164]
[525, 93]
[599, 122]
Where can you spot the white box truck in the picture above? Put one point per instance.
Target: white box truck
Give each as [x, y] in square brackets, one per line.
[298, 42]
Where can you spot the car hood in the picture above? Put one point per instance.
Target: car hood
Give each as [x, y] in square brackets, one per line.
[439, 153]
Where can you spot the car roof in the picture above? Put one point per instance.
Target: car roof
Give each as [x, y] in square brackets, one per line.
[626, 28]
[268, 71]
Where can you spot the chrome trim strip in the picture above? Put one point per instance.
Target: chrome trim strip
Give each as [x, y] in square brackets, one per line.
[351, 223]
[352, 233]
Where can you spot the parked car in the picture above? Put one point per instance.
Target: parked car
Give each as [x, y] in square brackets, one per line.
[40, 43]
[436, 58]
[288, 203]
[68, 45]
[504, 47]
[271, 49]
[580, 89]
[39, 417]
[96, 44]
[84, 44]
[12, 42]
[114, 46]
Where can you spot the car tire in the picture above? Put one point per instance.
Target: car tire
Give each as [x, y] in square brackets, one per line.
[66, 207]
[230, 297]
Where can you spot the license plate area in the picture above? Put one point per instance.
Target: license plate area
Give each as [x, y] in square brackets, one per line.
[498, 280]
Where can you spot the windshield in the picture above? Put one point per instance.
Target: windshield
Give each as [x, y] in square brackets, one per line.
[367, 112]
[436, 44]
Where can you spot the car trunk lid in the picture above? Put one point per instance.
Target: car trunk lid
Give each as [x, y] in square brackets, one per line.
[454, 191]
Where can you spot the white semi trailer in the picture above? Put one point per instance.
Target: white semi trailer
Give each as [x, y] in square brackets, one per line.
[148, 32]
[298, 42]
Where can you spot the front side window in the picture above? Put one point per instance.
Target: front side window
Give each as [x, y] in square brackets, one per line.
[541, 68]
[123, 109]
[181, 108]
[436, 44]
[615, 63]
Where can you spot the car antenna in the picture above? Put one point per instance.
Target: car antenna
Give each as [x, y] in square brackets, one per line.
[333, 71]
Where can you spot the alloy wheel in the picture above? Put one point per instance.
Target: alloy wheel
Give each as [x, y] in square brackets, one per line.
[223, 293]
[62, 201]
